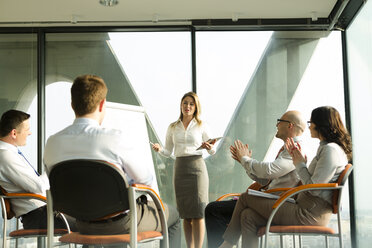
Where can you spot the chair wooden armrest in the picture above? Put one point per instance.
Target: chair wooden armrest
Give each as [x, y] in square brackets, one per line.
[5, 198]
[306, 187]
[254, 186]
[26, 195]
[8, 214]
[33, 196]
[151, 191]
[160, 207]
[227, 196]
[139, 188]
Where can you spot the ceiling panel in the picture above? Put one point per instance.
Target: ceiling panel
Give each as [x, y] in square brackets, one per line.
[163, 10]
[319, 14]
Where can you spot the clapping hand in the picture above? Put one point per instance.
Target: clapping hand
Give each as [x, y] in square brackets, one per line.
[240, 150]
[294, 150]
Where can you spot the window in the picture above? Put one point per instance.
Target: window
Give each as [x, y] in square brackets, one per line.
[359, 52]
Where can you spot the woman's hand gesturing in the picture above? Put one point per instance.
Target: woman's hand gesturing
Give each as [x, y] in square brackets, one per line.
[294, 150]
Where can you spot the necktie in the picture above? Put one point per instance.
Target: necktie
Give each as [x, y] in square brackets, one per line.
[281, 149]
[20, 153]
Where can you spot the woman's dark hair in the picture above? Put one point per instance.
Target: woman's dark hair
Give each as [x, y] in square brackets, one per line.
[328, 123]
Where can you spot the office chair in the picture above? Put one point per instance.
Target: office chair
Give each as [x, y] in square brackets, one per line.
[309, 230]
[8, 214]
[91, 190]
[253, 186]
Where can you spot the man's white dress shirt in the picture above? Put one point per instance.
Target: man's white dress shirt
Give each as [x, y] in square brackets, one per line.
[86, 139]
[185, 142]
[17, 176]
[281, 172]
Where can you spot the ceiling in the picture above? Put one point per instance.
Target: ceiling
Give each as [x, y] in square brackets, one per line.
[316, 14]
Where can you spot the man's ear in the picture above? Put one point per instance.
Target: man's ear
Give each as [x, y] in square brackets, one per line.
[101, 104]
[13, 133]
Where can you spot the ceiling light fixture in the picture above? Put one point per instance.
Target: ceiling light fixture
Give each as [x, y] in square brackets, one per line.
[235, 17]
[108, 3]
[314, 16]
[155, 18]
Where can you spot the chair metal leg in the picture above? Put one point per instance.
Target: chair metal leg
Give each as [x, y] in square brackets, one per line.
[281, 241]
[5, 222]
[266, 239]
[294, 240]
[133, 216]
[326, 241]
[340, 229]
[261, 242]
[50, 220]
[341, 242]
[17, 227]
[4, 232]
[239, 244]
[300, 240]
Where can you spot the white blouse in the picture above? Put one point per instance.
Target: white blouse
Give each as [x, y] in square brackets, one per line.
[327, 165]
[186, 141]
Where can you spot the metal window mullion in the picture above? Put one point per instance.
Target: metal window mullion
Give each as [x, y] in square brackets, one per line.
[40, 98]
[193, 58]
[40, 105]
[348, 125]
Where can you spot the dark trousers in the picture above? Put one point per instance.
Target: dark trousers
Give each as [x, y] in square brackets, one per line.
[217, 217]
[37, 219]
[147, 220]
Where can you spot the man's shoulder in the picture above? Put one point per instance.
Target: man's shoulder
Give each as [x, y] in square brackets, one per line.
[7, 158]
[86, 130]
[5, 154]
[108, 131]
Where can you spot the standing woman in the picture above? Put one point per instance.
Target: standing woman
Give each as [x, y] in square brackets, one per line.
[191, 181]
[311, 207]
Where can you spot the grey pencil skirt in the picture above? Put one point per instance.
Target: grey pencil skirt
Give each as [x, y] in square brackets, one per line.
[191, 185]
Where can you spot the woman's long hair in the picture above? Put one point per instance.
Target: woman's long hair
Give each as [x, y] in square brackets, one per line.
[328, 123]
[197, 108]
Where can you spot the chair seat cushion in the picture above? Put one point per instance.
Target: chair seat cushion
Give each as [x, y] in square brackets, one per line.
[35, 232]
[297, 229]
[78, 238]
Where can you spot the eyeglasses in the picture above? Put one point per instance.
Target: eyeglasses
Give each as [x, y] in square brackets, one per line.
[280, 120]
[308, 123]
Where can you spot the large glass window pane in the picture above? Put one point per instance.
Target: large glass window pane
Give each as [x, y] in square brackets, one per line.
[158, 65]
[248, 81]
[18, 87]
[359, 53]
[150, 69]
[225, 60]
[70, 55]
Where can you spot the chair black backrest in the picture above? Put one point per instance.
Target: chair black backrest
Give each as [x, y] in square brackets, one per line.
[88, 189]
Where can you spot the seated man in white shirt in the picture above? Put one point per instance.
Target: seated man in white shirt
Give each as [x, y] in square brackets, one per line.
[279, 173]
[17, 175]
[86, 139]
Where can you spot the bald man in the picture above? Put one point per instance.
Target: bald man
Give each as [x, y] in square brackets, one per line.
[279, 173]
